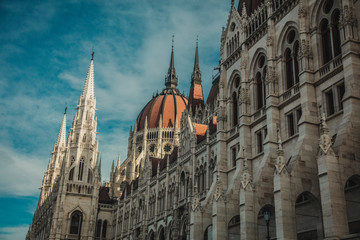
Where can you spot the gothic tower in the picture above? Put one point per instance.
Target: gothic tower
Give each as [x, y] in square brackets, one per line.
[54, 166]
[77, 201]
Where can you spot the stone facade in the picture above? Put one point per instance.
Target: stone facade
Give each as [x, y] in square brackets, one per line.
[272, 154]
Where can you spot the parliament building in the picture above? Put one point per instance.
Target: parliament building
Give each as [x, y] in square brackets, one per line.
[271, 152]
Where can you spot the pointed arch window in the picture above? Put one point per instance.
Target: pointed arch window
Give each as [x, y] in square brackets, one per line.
[76, 221]
[90, 176]
[81, 169]
[104, 229]
[71, 174]
[260, 91]
[235, 109]
[335, 19]
[326, 40]
[291, 48]
[329, 30]
[98, 229]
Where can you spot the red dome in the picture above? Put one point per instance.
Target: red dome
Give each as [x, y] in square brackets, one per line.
[170, 104]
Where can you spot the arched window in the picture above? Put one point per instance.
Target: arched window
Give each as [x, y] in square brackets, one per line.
[98, 229]
[104, 229]
[182, 185]
[162, 234]
[89, 176]
[75, 225]
[291, 48]
[151, 236]
[329, 30]
[352, 197]
[71, 174]
[326, 40]
[289, 69]
[234, 228]
[266, 221]
[260, 91]
[235, 109]
[81, 169]
[308, 217]
[336, 32]
[208, 233]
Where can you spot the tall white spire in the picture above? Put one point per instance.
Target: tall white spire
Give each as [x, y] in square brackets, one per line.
[88, 91]
[61, 139]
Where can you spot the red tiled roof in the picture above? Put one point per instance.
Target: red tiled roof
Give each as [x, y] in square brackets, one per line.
[200, 131]
[163, 162]
[196, 97]
[169, 104]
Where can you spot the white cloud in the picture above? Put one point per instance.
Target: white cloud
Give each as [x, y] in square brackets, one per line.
[14, 233]
[20, 173]
[131, 59]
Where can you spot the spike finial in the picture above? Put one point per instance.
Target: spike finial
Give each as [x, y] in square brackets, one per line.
[92, 53]
[171, 80]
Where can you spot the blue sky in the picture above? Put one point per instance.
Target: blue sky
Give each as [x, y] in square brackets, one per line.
[45, 49]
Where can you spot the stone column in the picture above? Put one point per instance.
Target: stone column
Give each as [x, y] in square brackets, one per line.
[331, 188]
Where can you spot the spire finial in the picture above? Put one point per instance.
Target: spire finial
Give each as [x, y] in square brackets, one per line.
[171, 78]
[92, 53]
[65, 109]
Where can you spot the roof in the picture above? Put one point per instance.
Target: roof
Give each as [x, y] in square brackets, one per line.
[213, 91]
[213, 125]
[104, 195]
[196, 97]
[169, 105]
[200, 131]
[163, 161]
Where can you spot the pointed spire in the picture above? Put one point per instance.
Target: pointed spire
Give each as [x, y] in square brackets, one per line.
[196, 76]
[196, 96]
[171, 80]
[100, 169]
[118, 162]
[88, 91]
[112, 166]
[61, 139]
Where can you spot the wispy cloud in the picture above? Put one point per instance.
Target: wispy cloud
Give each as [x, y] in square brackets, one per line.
[132, 43]
[13, 233]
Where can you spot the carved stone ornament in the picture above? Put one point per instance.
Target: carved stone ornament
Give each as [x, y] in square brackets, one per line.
[272, 80]
[302, 9]
[305, 49]
[244, 96]
[325, 140]
[269, 41]
[246, 178]
[219, 193]
[195, 205]
[347, 16]
[280, 160]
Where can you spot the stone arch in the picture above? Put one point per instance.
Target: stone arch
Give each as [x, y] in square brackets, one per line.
[308, 216]
[264, 227]
[254, 60]
[208, 233]
[352, 198]
[283, 34]
[161, 233]
[234, 228]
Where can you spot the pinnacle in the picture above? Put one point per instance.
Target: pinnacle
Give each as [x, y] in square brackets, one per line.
[88, 91]
[61, 139]
[171, 80]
